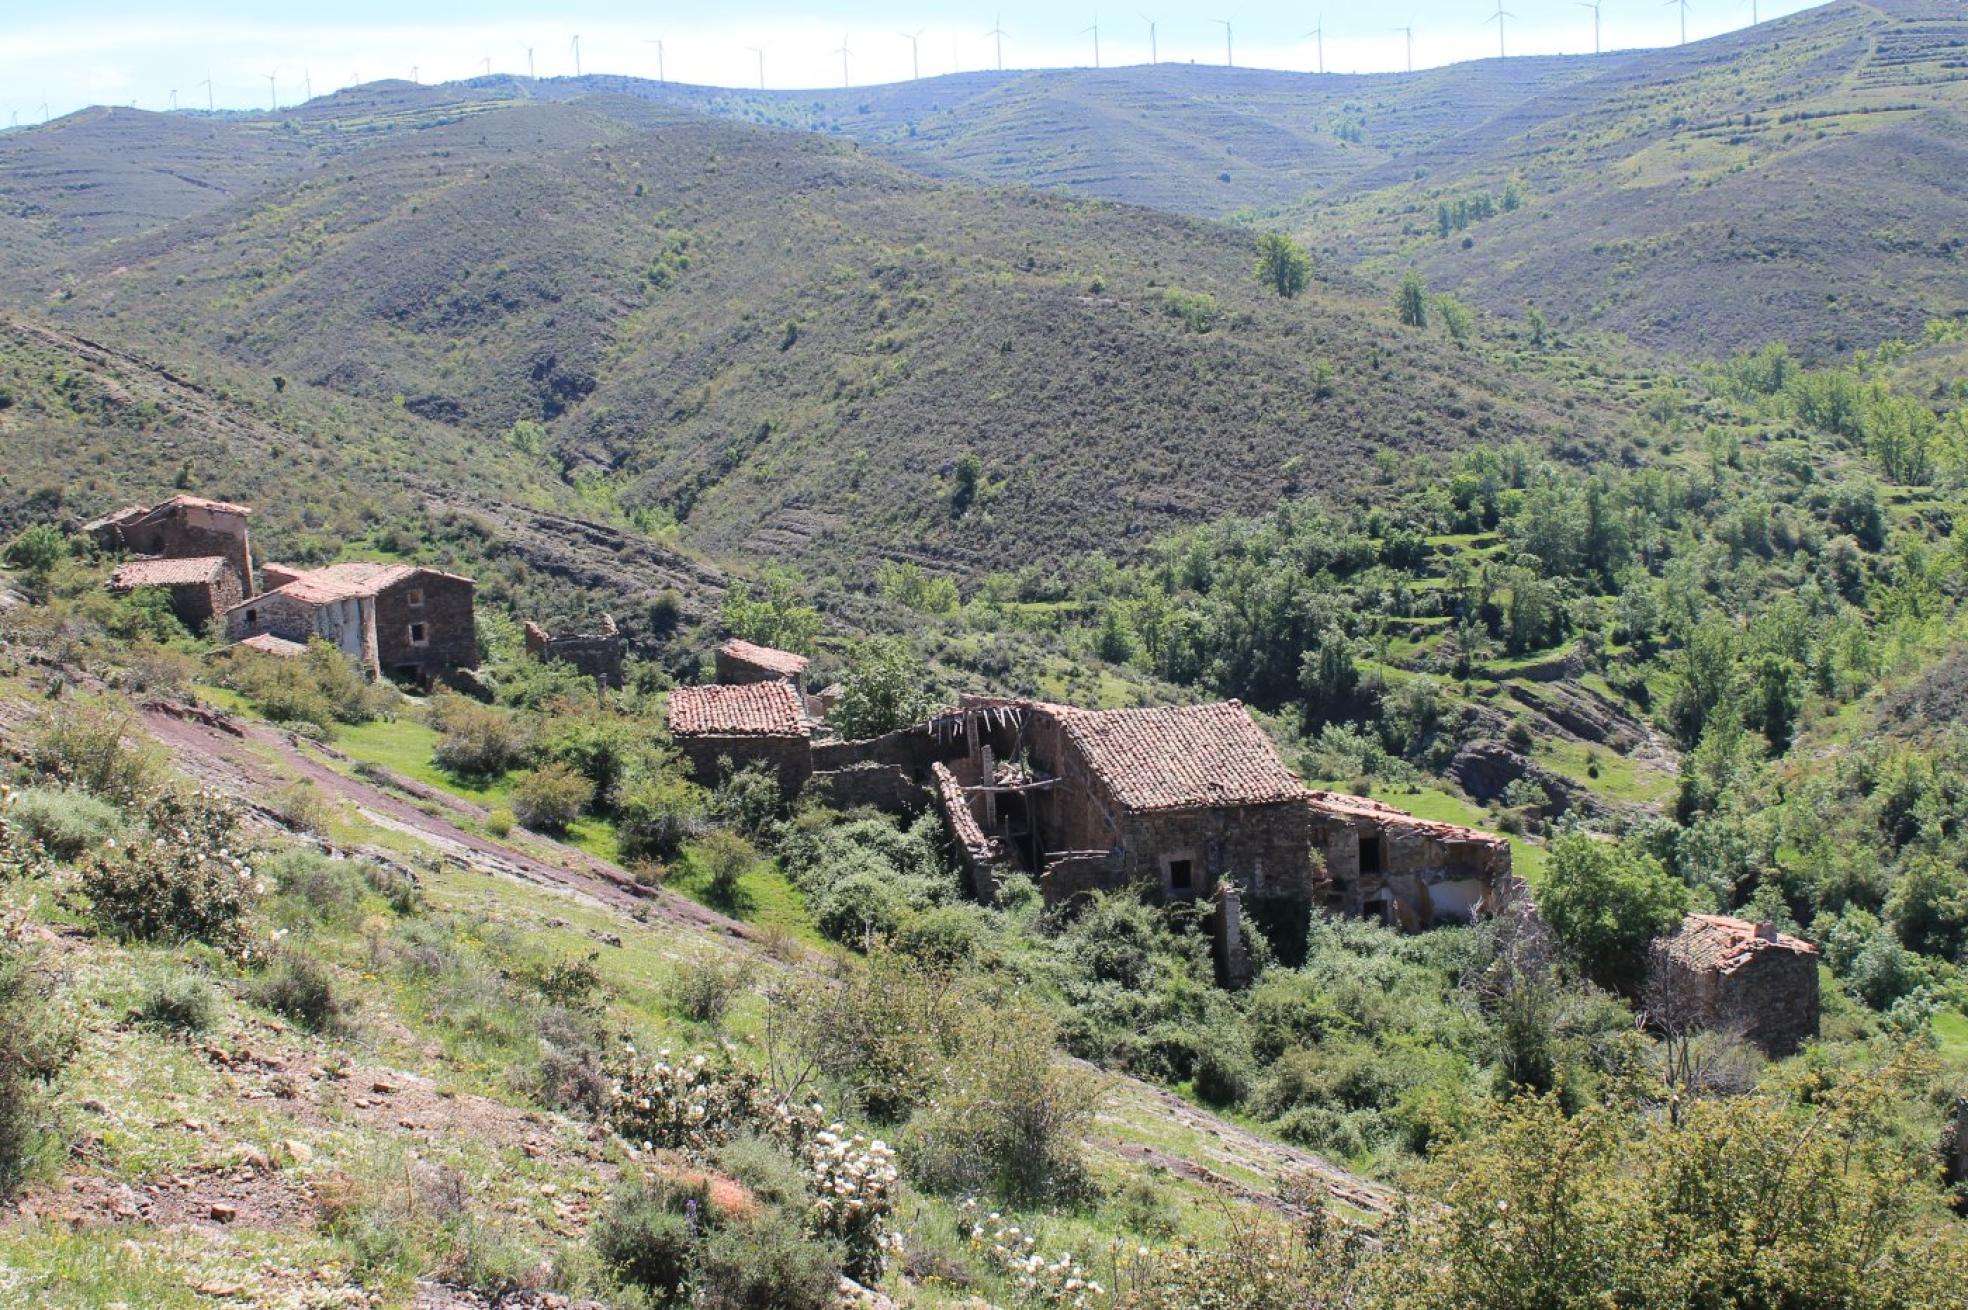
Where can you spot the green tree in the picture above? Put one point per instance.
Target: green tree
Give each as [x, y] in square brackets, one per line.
[35, 552]
[1540, 329]
[964, 483]
[1282, 264]
[1411, 301]
[885, 689]
[1607, 902]
[779, 617]
[1458, 319]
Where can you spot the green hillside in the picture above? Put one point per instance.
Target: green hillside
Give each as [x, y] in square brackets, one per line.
[737, 327]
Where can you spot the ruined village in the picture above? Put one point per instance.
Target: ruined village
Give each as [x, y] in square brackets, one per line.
[1180, 803]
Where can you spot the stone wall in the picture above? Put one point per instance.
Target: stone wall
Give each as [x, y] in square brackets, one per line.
[1265, 849]
[1428, 873]
[789, 757]
[882, 786]
[913, 750]
[340, 623]
[197, 603]
[596, 655]
[1770, 999]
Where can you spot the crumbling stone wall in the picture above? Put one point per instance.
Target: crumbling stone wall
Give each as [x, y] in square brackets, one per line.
[1769, 997]
[1428, 873]
[196, 604]
[596, 655]
[791, 758]
[341, 623]
[187, 532]
[881, 786]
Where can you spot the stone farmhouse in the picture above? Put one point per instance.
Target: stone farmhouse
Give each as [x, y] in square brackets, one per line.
[1729, 973]
[1384, 863]
[197, 549]
[398, 620]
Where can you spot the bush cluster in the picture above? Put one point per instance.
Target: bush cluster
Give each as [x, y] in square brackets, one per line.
[185, 879]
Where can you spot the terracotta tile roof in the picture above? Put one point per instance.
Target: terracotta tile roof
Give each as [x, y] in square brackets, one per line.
[1724, 944]
[782, 662]
[1365, 807]
[121, 516]
[1180, 757]
[268, 644]
[354, 578]
[758, 709]
[191, 572]
[964, 827]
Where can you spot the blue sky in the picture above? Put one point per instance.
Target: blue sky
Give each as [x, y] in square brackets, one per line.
[119, 51]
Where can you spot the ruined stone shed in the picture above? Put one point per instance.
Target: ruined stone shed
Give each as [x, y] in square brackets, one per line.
[1723, 972]
[598, 654]
[752, 723]
[200, 587]
[400, 620]
[1382, 862]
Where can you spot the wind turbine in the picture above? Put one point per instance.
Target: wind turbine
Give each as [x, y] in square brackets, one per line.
[273, 96]
[1095, 29]
[661, 76]
[1229, 59]
[529, 62]
[174, 100]
[416, 71]
[307, 82]
[1594, 7]
[486, 63]
[1684, 17]
[760, 52]
[44, 113]
[1410, 33]
[1498, 18]
[1319, 32]
[577, 54]
[1154, 56]
[915, 53]
[844, 52]
[997, 30]
[1754, 19]
[207, 84]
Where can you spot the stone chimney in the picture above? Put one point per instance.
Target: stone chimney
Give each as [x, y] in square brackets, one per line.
[1766, 931]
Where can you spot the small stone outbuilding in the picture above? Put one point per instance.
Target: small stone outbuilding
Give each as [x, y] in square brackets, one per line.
[183, 527]
[1411, 873]
[1724, 972]
[598, 654]
[400, 620]
[742, 662]
[752, 723]
[201, 586]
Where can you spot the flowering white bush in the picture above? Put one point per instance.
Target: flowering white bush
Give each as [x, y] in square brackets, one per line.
[21, 856]
[1040, 1280]
[184, 881]
[692, 1106]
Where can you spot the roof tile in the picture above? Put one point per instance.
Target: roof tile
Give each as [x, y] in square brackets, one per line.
[785, 663]
[758, 709]
[1181, 757]
[189, 572]
[1724, 944]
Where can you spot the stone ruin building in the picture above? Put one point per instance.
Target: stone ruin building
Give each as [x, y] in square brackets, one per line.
[1193, 802]
[740, 662]
[719, 727]
[200, 587]
[196, 549]
[1410, 873]
[596, 654]
[398, 620]
[1728, 973]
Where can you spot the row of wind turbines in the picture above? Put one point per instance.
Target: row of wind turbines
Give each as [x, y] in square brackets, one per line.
[996, 33]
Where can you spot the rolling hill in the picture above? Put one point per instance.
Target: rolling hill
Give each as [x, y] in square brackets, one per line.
[788, 344]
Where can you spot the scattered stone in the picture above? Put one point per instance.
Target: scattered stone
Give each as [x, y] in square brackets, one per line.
[381, 1088]
[223, 1213]
[93, 1106]
[296, 1152]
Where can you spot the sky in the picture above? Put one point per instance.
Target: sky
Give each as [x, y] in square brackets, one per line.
[65, 56]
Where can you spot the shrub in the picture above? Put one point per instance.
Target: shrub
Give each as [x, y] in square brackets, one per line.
[85, 746]
[726, 858]
[551, 797]
[647, 1233]
[37, 1040]
[656, 815]
[703, 989]
[301, 807]
[182, 882]
[300, 989]
[178, 1003]
[65, 822]
[885, 689]
[499, 822]
[767, 1262]
[748, 799]
[323, 687]
[476, 740]
[311, 887]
